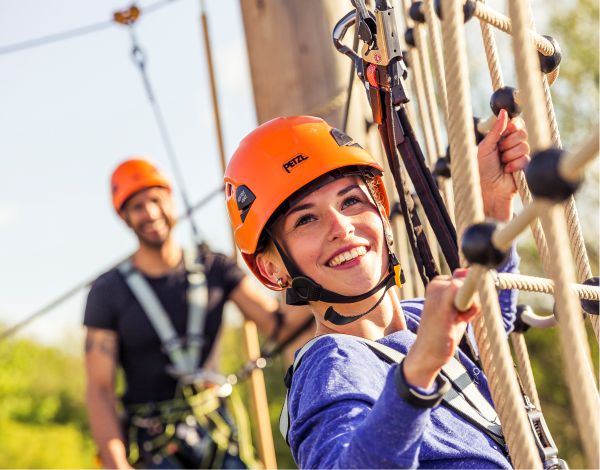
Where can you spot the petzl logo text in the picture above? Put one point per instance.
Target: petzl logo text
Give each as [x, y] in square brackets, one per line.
[294, 162]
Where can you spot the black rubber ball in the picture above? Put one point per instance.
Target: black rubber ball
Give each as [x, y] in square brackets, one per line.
[591, 307]
[551, 62]
[478, 135]
[416, 12]
[409, 37]
[468, 9]
[478, 248]
[543, 177]
[506, 98]
[441, 168]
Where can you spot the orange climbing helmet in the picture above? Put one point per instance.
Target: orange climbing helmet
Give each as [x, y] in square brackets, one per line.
[275, 161]
[132, 176]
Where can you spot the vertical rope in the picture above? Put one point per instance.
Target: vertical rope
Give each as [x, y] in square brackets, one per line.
[577, 243]
[524, 368]
[494, 349]
[432, 22]
[578, 371]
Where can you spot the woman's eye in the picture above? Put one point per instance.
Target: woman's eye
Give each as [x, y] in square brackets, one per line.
[350, 201]
[304, 220]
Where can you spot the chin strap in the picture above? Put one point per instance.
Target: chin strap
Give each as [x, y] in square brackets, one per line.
[332, 316]
[304, 289]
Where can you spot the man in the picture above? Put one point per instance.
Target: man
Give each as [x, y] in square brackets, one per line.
[158, 315]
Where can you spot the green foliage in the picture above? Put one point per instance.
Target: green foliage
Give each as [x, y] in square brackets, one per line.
[42, 413]
[575, 94]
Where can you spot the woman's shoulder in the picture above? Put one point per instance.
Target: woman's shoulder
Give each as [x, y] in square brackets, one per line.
[335, 359]
[333, 346]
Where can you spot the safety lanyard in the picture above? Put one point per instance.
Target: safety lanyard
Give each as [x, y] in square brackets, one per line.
[184, 353]
[463, 397]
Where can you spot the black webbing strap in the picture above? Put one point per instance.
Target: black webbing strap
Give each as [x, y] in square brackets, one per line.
[414, 228]
[400, 135]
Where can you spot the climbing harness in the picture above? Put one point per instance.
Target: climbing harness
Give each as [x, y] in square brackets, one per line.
[462, 396]
[203, 428]
[183, 353]
[198, 425]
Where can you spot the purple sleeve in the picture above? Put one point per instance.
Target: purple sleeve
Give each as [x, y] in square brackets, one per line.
[342, 419]
[508, 297]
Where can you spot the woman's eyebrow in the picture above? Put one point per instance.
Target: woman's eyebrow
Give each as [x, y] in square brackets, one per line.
[298, 208]
[309, 205]
[347, 189]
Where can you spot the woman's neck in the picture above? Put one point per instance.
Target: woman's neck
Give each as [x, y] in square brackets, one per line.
[386, 318]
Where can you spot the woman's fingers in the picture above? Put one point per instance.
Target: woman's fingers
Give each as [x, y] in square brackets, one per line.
[516, 165]
[520, 150]
[515, 124]
[510, 140]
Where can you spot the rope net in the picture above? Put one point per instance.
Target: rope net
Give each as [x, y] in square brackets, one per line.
[553, 226]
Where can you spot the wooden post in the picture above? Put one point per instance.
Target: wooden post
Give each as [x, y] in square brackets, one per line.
[258, 392]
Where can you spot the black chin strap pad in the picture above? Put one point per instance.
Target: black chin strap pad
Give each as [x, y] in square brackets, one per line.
[307, 290]
[332, 316]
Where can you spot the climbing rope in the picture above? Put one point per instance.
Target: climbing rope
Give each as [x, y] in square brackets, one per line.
[578, 369]
[74, 33]
[495, 354]
[539, 284]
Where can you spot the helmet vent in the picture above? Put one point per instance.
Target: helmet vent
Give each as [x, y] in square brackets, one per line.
[244, 199]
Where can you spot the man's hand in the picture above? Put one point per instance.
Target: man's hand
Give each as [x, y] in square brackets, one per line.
[504, 151]
[440, 330]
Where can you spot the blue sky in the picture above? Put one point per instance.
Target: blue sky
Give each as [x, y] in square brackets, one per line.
[72, 110]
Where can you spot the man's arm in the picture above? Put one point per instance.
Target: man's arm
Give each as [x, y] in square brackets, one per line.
[101, 350]
[261, 309]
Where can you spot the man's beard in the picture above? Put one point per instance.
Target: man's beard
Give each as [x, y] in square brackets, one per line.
[156, 243]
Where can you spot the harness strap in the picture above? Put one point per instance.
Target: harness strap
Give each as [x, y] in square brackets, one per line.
[197, 297]
[185, 356]
[463, 397]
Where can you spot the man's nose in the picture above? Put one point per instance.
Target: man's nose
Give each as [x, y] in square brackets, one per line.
[152, 210]
[340, 226]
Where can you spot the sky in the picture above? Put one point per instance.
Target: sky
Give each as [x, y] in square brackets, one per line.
[72, 110]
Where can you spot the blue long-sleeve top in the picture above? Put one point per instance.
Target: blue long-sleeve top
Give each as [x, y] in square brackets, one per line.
[345, 410]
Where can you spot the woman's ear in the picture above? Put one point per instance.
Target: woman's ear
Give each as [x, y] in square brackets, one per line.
[271, 267]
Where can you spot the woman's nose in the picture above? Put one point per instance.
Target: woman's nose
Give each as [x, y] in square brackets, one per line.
[340, 225]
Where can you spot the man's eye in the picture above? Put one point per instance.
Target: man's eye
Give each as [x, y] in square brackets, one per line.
[350, 201]
[304, 220]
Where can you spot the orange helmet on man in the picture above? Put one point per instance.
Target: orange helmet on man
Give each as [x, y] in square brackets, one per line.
[133, 176]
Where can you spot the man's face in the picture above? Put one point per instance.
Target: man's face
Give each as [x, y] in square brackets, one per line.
[150, 214]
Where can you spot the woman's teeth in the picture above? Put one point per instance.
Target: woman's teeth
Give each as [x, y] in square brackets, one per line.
[347, 256]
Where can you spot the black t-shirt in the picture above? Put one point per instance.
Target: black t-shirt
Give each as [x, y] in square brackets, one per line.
[111, 305]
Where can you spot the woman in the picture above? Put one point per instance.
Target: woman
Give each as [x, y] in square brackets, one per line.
[309, 212]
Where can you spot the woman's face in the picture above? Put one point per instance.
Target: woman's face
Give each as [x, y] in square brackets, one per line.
[335, 236]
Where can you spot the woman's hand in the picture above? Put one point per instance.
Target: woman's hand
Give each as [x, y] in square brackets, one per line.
[440, 330]
[504, 151]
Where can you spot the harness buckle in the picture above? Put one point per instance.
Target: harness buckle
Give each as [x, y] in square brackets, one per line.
[543, 439]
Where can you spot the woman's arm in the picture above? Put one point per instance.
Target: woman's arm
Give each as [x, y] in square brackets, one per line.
[341, 418]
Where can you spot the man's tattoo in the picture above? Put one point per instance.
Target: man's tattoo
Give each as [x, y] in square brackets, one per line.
[106, 345]
[109, 347]
[89, 344]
